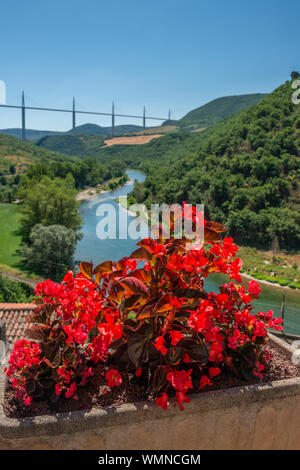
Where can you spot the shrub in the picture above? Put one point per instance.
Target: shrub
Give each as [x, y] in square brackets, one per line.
[13, 291]
[148, 314]
[50, 250]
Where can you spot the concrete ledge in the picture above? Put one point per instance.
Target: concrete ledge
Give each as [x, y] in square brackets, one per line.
[251, 417]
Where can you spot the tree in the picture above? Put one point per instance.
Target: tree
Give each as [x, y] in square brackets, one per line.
[50, 250]
[48, 202]
[138, 192]
[295, 75]
[12, 169]
[275, 248]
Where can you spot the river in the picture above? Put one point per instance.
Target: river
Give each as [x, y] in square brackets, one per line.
[91, 248]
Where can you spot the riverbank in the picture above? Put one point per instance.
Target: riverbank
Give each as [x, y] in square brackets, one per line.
[267, 283]
[110, 185]
[124, 204]
[274, 269]
[89, 193]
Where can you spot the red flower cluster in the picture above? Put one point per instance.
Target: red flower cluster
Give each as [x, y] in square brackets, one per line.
[147, 314]
[113, 378]
[65, 317]
[24, 358]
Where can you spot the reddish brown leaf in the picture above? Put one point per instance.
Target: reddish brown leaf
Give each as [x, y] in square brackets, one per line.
[164, 304]
[86, 269]
[141, 253]
[105, 267]
[211, 235]
[215, 226]
[142, 275]
[37, 332]
[134, 286]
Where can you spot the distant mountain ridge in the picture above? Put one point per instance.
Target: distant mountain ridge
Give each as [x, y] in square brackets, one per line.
[94, 129]
[216, 110]
[106, 131]
[31, 134]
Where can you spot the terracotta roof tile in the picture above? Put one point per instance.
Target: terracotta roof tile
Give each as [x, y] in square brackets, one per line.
[16, 306]
[14, 316]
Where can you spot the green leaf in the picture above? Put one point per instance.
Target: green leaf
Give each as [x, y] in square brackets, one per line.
[131, 315]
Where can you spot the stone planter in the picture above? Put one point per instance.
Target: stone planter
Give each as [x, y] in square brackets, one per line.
[251, 417]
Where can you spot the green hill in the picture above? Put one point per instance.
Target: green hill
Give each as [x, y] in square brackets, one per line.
[22, 154]
[246, 170]
[106, 131]
[31, 134]
[217, 110]
[87, 145]
[32, 162]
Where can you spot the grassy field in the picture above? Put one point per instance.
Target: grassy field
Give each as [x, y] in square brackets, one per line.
[279, 268]
[9, 238]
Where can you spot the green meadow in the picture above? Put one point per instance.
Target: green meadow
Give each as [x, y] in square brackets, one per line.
[9, 238]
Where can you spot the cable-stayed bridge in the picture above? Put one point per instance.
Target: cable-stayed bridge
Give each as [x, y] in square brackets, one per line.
[75, 111]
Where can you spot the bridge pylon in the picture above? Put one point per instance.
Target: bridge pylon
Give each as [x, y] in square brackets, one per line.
[113, 119]
[73, 114]
[144, 117]
[23, 117]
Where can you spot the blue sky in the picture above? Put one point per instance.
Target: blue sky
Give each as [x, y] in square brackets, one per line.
[166, 53]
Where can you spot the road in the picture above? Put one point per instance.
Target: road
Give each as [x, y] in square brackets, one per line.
[16, 278]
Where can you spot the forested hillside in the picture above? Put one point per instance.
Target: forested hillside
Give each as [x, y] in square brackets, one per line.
[22, 154]
[215, 111]
[20, 160]
[86, 145]
[246, 170]
[219, 109]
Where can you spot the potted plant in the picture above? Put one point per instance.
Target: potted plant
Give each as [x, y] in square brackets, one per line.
[146, 317]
